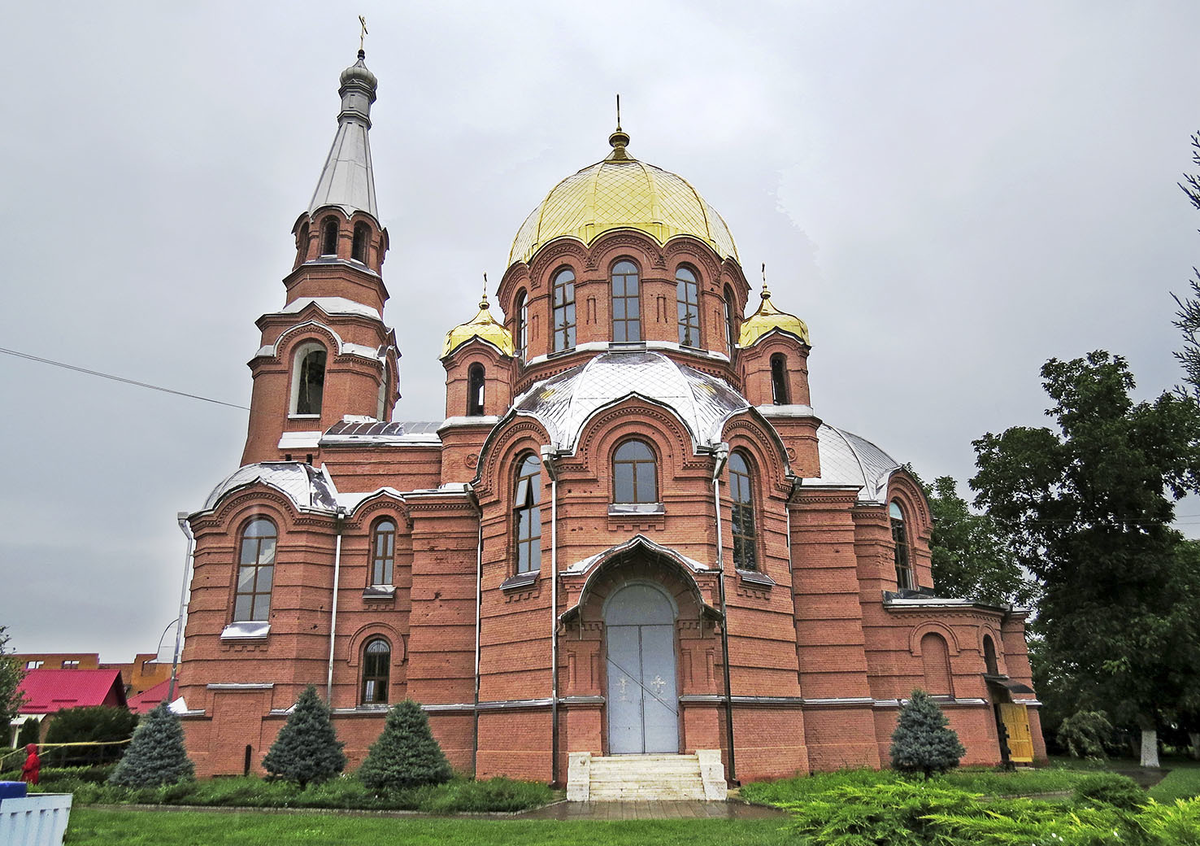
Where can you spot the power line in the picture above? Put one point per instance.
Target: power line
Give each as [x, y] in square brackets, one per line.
[66, 366]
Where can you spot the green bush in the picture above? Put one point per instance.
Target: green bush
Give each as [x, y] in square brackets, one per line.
[1176, 824]
[1086, 734]
[31, 732]
[1110, 789]
[406, 753]
[497, 794]
[923, 742]
[885, 813]
[97, 724]
[307, 749]
[156, 755]
[55, 776]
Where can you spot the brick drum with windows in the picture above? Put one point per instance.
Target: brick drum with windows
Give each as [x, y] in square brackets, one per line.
[631, 532]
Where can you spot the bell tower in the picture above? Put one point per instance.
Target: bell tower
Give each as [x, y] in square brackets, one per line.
[327, 354]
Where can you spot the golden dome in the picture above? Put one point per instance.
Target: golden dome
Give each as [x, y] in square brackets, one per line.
[767, 318]
[482, 326]
[622, 193]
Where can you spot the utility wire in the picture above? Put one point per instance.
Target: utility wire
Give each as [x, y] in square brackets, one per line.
[66, 366]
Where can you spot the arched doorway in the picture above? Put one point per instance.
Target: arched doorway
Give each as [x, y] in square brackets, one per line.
[643, 704]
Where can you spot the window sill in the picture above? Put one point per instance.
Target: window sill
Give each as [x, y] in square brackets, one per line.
[246, 630]
[304, 417]
[755, 578]
[617, 509]
[520, 580]
[377, 592]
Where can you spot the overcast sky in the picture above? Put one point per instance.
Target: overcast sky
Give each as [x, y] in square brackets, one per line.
[948, 193]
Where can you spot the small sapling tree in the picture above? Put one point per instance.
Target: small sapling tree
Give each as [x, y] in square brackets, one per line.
[307, 750]
[923, 742]
[406, 754]
[155, 755]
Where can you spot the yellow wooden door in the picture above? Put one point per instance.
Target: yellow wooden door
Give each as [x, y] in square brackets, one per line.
[1015, 718]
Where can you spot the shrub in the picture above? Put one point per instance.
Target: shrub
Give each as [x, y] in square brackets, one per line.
[1111, 789]
[31, 732]
[54, 777]
[96, 724]
[1177, 824]
[887, 813]
[307, 749]
[156, 755]
[923, 741]
[1085, 734]
[406, 753]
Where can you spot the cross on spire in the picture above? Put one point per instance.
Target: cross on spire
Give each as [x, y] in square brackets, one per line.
[362, 36]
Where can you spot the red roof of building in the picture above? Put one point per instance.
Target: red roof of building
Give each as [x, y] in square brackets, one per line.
[148, 699]
[48, 691]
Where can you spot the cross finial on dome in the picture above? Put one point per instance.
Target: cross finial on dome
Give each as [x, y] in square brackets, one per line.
[362, 37]
[619, 140]
[483, 301]
[766, 292]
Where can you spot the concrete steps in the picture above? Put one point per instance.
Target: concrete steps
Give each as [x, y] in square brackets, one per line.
[644, 778]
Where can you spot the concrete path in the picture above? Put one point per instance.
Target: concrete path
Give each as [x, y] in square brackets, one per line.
[690, 810]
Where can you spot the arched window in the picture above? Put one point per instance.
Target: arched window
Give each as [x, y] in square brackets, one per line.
[362, 235]
[302, 242]
[527, 514]
[730, 336]
[989, 656]
[475, 390]
[381, 398]
[779, 379]
[635, 476]
[687, 301]
[904, 575]
[742, 496]
[308, 381]
[520, 337]
[383, 552]
[626, 304]
[376, 670]
[936, 659]
[256, 572]
[329, 236]
[564, 310]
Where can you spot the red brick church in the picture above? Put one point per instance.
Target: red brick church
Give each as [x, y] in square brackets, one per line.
[632, 532]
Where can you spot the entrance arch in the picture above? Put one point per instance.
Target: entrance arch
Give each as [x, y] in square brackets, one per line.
[643, 700]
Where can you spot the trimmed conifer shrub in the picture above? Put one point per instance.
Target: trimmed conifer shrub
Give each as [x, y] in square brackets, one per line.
[923, 742]
[155, 755]
[406, 754]
[307, 750]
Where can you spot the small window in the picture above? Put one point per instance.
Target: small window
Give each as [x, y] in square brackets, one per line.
[256, 572]
[376, 670]
[329, 236]
[381, 399]
[730, 333]
[936, 660]
[687, 301]
[779, 379]
[309, 380]
[362, 235]
[520, 336]
[634, 473]
[383, 552]
[741, 495]
[302, 242]
[34, 665]
[564, 310]
[904, 575]
[70, 665]
[626, 304]
[989, 656]
[527, 515]
[475, 389]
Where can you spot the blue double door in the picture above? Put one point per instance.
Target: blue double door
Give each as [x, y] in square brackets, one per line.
[643, 701]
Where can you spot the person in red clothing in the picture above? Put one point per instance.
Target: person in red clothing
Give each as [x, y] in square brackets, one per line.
[33, 765]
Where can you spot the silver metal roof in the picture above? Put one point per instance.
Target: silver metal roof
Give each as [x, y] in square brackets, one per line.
[348, 180]
[564, 403]
[848, 460]
[305, 485]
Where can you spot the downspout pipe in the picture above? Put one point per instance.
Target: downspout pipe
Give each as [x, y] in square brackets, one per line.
[339, 519]
[720, 457]
[478, 635]
[185, 527]
[551, 471]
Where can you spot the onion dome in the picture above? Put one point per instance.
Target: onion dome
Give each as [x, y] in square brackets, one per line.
[622, 193]
[768, 318]
[482, 326]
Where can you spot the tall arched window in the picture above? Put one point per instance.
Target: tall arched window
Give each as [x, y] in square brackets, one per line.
[308, 380]
[527, 515]
[302, 242]
[741, 495]
[904, 575]
[376, 671]
[520, 337]
[936, 660]
[475, 390]
[256, 572]
[779, 379]
[383, 552]
[564, 310]
[989, 656]
[362, 235]
[626, 304]
[329, 236]
[687, 302]
[730, 336]
[635, 476]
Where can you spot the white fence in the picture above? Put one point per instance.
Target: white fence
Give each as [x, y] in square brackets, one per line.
[39, 819]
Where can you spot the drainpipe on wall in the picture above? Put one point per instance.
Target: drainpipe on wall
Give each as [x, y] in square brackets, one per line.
[184, 527]
[478, 633]
[337, 577]
[720, 456]
[548, 462]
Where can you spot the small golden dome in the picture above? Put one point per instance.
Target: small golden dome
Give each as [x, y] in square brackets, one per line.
[622, 193]
[482, 326]
[767, 318]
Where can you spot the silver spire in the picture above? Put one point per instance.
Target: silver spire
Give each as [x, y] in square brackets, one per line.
[348, 180]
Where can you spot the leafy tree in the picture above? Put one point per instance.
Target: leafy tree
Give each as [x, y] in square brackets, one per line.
[1085, 734]
[1088, 507]
[155, 755]
[923, 741]
[11, 673]
[96, 724]
[307, 749]
[31, 732]
[1188, 316]
[406, 754]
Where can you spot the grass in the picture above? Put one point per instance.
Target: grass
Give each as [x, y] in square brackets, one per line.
[199, 828]
[1182, 782]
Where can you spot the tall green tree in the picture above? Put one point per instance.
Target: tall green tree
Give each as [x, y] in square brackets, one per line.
[1188, 316]
[11, 673]
[1089, 505]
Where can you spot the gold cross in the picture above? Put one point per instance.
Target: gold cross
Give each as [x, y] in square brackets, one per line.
[362, 37]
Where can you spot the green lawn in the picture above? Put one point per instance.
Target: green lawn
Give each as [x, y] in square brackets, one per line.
[199, 828]
[1181, 783]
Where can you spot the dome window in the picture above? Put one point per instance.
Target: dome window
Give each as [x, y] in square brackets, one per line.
[527, 515]
[362, 235]
[520, 337]
[564, 310]
[779, 380]
[904, 574]
[741, 494]
[475, 388]
[329, 236]
[256, 571]
[730, 335]
[626, 303]
[635, 474]
[302, 242]
[687, 301]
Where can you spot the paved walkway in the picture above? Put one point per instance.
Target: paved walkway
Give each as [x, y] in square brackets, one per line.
[650, 811]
